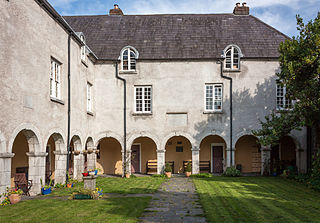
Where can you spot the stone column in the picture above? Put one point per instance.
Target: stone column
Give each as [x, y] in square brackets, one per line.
[265, 160]
[126, 162]
[92, 158]
[37, 169]
[228, 158]
[5, 171]
[195, 160]
[78, 165]
[60, 169]
[161, 161]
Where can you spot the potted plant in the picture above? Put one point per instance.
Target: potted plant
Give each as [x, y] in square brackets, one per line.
[69, 182]
[14, 195]
[85, 174]
[84, 152]
[96, 170]
[127, 174]
[46, 189]
[274, 173]
[168, 170]
[90, 151]
[97, 151]
[188, 169]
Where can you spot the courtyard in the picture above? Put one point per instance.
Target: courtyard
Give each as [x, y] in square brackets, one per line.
[222, 199]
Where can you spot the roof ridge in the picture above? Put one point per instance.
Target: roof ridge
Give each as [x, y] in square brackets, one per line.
[178, 14]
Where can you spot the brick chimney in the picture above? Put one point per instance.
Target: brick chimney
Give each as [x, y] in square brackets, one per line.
[241, 10]
[116, 10]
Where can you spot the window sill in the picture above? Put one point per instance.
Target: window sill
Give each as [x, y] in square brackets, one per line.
[127, 72]
[231, 70]
[90, 113]
[59, 101]
[141, 114]
[84, 63]
[213, 112]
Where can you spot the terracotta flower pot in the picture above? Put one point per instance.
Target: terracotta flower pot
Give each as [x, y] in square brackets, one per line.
[127, 175]
[168, 174]
[188, 174]
[14, 198]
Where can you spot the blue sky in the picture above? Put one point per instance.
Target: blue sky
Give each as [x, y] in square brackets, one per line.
[277, 13]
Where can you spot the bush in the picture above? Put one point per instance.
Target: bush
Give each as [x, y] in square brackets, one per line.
[231, 172]
[133, 176]
[158, 175]
[202, 175]
[168, 168]
[315, 172]
[188, 167]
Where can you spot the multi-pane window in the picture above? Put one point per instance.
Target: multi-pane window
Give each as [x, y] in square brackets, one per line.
[55, 79]
[83, 49]
[143, 99]
[89, 97]
[232, 58]
[283, 102]
[128, 60]
[213, 97]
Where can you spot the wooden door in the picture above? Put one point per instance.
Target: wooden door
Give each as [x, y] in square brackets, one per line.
[217, 158]
[135, 159]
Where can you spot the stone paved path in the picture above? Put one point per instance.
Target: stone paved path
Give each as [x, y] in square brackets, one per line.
[175, 201]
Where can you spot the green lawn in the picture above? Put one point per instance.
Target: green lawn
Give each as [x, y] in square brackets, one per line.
[53, 210]
[139, 185]
[257, 199]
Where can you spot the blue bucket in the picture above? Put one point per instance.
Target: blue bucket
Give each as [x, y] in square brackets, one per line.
[46, 191]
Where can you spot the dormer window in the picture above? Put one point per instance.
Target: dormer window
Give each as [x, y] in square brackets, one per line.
[83, 48]
[129, 56]
[232, 54]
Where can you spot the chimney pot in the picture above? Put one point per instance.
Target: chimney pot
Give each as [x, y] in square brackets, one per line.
[237, 4]
[116, 10]
[116, 6]
[244, 4]
[241, 10]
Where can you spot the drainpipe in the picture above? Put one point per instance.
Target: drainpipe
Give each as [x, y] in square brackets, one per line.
[124, 118]
[230, 79]
[69, 106]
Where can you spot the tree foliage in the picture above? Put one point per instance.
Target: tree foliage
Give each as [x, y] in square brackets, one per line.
[300, 74]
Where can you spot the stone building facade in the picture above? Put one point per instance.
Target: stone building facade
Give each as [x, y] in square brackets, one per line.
[64, 80]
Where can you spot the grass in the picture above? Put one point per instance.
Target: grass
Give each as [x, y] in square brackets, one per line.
[139, 185]
[55, 210]
[257, 199]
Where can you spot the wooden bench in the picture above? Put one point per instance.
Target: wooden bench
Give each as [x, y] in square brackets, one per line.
[204, 166]
[22, 183]
[152, 166]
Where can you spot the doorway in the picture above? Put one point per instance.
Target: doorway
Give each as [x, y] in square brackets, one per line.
[135, 159]
[217, 158]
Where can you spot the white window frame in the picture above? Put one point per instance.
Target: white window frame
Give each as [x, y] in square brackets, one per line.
[213, 97]
[287, 103]
[225, 51]
[129, 49]
[89, 97]
[83, 48]
[144, 99]
[55, 79]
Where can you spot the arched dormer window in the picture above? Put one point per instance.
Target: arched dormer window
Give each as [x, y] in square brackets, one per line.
[83, 48]
[129, 56]
[232, 54]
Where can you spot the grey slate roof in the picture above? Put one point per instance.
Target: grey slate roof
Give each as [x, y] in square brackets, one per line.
[185, 36]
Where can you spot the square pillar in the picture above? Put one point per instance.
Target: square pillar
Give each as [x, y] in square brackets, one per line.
[228, 158]
[5, 172]
[92, 158]
[195, 160]
[126, 164]
[78, 164]
[265, 160]
[60, 166]
[160, 161]
[37, 169]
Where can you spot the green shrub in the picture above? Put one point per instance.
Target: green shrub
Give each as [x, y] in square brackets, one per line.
[168, 168]
[189, 167]
[232, 172]
[202, 175]
[315, 172]
[133, 176]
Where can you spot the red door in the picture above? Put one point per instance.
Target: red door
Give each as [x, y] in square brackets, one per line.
[217, 157]
[135, 159]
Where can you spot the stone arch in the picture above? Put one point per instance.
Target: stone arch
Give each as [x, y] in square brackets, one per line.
[248, 154]
[134, 136]
[2, 143]
[109, 134]
[33, 137]
[219, 134]
[184, 134]
[77, 142]
[239, 135]
[89, 142]
[59, 139]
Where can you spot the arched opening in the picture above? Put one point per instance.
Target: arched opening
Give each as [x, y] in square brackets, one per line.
[24, 147]
[248, 154]
[109, 158]
[144, 156]
[212, 154]
[178, 152]
[283, 155]
[76, 165]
